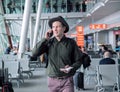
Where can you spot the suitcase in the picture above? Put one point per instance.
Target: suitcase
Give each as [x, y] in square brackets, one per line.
[79, 80]
[7, 87]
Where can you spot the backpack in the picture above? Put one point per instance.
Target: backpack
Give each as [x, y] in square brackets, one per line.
[43, 57]
[32, 58]
[86, 60]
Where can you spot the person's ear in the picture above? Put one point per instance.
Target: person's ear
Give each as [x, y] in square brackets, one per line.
[64, 28]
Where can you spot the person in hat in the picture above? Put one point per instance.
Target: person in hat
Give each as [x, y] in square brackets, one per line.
[63, 54]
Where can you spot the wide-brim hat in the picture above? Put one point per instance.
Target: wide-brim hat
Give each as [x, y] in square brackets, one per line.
[60, 19]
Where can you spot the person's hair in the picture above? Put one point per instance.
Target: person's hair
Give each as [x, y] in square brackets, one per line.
[107, 54]
[104, 47]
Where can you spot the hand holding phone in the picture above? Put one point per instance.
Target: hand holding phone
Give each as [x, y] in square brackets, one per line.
[49, 34]
[66, 70]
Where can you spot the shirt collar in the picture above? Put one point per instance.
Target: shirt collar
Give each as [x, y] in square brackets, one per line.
[63, 38]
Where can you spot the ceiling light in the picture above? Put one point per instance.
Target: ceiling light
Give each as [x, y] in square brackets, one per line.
[88, 14]
[106, 1]
[102, 4]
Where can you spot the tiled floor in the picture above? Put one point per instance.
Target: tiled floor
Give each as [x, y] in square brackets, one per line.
[38, 83]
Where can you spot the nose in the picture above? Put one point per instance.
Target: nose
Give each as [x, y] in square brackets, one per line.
[55, 29]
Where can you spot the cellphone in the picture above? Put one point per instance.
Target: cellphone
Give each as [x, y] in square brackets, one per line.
[50, 34]
[66, 69]
[62, 69]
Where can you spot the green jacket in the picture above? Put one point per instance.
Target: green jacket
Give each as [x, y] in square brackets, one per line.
[60, 53]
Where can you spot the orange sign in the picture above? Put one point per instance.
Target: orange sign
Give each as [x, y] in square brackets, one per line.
[79, 29]
[98, 26]
[80, 36]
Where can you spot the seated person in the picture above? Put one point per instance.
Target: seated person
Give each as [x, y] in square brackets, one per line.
[107, 58]
[8, 50]
[102, 49]
[14, 50]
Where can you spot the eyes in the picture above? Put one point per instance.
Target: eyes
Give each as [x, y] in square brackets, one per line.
[59, 26]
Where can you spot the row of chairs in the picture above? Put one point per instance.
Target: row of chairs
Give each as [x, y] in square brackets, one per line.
[108, 76]
[34, 64]
[90, 72]
[16, 68]
[93, 73]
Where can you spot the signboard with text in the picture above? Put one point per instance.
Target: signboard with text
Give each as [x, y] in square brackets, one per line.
[80, 36]
[98, 26]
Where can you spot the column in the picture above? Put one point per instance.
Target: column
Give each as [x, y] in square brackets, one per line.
[37, 25]
[96, 41]
[31, 32]
[25, 25]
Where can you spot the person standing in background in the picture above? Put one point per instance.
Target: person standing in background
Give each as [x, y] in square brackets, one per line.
[69, 6]
[48, 8]
[77, 6]
[55, 6]
[63, 5]
[9, 6]
[13, 7]
[34, 7]
[84, 6]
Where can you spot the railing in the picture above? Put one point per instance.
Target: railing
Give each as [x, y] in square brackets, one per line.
[61, 6]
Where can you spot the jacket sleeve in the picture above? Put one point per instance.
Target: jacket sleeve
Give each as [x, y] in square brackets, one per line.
[39, 48]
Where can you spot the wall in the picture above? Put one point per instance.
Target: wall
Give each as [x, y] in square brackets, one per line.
[107, 36]
[112, 21]
[112, 39]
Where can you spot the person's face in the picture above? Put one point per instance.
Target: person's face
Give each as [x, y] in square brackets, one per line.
[102, 48]
[58, 29]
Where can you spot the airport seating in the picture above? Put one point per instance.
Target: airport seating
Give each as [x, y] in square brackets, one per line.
[106, 77]
[14, 72]
[9, 57]
[1, 64]
[24, 65]
[118, 77]
[90, 72]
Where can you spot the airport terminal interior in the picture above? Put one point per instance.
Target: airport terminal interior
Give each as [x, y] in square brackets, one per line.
[92, 24]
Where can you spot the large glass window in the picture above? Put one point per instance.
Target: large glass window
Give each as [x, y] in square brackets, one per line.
[48, 6]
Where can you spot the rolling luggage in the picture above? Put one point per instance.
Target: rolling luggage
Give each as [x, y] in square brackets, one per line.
[4, 83]
[79, 80]
[7, 87]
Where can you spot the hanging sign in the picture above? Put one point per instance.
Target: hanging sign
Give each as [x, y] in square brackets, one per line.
[98, 26]
[80, 36]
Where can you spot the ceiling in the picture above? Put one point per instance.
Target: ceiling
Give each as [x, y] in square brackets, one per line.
[80, 18]
[110, 7]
